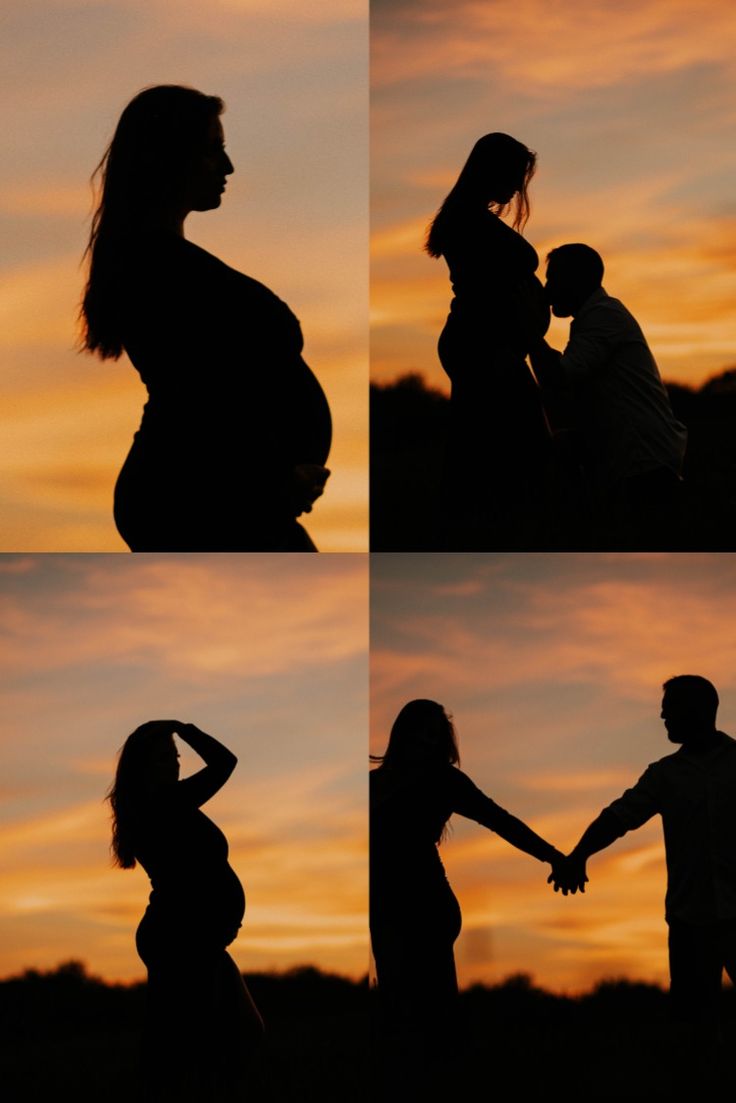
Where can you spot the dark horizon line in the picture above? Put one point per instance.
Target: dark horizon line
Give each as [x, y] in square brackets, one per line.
[419, 376]
[75, 967]
[518, 981]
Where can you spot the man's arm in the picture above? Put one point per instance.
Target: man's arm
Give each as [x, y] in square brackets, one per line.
[632, 809]
[593, 339]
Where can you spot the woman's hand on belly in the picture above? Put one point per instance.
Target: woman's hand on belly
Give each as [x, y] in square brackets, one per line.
[232, 935]
[309, 485]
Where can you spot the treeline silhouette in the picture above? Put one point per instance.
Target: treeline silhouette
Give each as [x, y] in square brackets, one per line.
[68, 1034]
[409, 426]
[617, 1041]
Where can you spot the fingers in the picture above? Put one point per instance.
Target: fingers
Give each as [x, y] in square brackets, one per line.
[568, 876]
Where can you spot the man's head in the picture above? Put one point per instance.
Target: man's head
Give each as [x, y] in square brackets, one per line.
[689, 706]
[574, 272]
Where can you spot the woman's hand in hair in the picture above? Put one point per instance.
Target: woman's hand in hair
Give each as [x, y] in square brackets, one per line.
[183, 730]
[164, 727]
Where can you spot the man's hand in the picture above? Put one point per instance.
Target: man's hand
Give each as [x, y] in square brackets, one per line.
[568, 875]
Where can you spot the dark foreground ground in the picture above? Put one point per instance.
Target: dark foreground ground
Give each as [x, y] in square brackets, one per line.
[616, 1044]
[408, 430]
[67, 1036]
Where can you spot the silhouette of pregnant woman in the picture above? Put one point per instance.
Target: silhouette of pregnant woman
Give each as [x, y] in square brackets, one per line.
[203, 1032]
[414, 914]
[498, 433]
[236, 430]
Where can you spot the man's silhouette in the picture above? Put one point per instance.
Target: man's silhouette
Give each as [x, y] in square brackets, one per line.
[694, 790]
[633, 446]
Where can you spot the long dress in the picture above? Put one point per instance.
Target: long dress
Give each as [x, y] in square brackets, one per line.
[415, 919]
[232, 406]
[196, 1000]
[498, 431]
[414, 914]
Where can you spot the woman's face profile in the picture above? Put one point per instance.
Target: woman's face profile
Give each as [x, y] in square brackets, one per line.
[503, 183]
[203, 188]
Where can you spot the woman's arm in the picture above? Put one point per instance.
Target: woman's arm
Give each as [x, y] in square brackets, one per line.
[471, 802]
[221, 762]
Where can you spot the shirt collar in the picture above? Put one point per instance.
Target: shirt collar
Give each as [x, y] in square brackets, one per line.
[720, 744]
[596, 296]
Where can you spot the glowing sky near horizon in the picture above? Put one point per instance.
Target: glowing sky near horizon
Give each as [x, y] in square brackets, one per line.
[630, 108]
[552, 666]
[295, 216]
[268, 654]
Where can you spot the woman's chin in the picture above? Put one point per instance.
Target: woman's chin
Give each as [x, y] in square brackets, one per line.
[209, 204]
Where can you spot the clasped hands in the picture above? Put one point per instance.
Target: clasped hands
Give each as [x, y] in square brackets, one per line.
[568, 874]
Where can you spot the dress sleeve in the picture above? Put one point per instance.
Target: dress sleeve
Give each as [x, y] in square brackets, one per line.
[469, 801]
[638, 804]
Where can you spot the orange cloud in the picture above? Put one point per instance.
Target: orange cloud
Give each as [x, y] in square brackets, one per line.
[139, 611]
[548, 50]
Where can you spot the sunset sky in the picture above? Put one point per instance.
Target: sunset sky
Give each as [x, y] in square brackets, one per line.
[630, 108]
[552, 666]
[295, 216]
[268, 654]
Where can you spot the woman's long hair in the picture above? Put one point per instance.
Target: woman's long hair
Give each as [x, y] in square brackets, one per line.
[129, 789]
[493, 157]
[422, 729]
[158, 139]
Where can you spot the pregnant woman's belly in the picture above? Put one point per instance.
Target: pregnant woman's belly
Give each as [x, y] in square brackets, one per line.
[205, 912]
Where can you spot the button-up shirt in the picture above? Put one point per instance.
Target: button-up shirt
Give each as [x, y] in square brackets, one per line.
[695, 793]
[623, 408]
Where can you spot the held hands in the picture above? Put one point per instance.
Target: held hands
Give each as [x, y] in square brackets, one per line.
[309, 484]
[568, 874]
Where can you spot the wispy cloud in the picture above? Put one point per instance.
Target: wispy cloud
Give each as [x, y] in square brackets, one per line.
[545, 50]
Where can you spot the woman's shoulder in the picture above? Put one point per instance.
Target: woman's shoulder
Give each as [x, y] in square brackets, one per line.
[458, 781]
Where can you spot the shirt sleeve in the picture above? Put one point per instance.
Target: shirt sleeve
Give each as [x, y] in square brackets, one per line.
[638, 804]
[590, 346]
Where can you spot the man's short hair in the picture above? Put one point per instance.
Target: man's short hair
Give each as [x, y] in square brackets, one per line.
[696, 692]
[579, 261]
